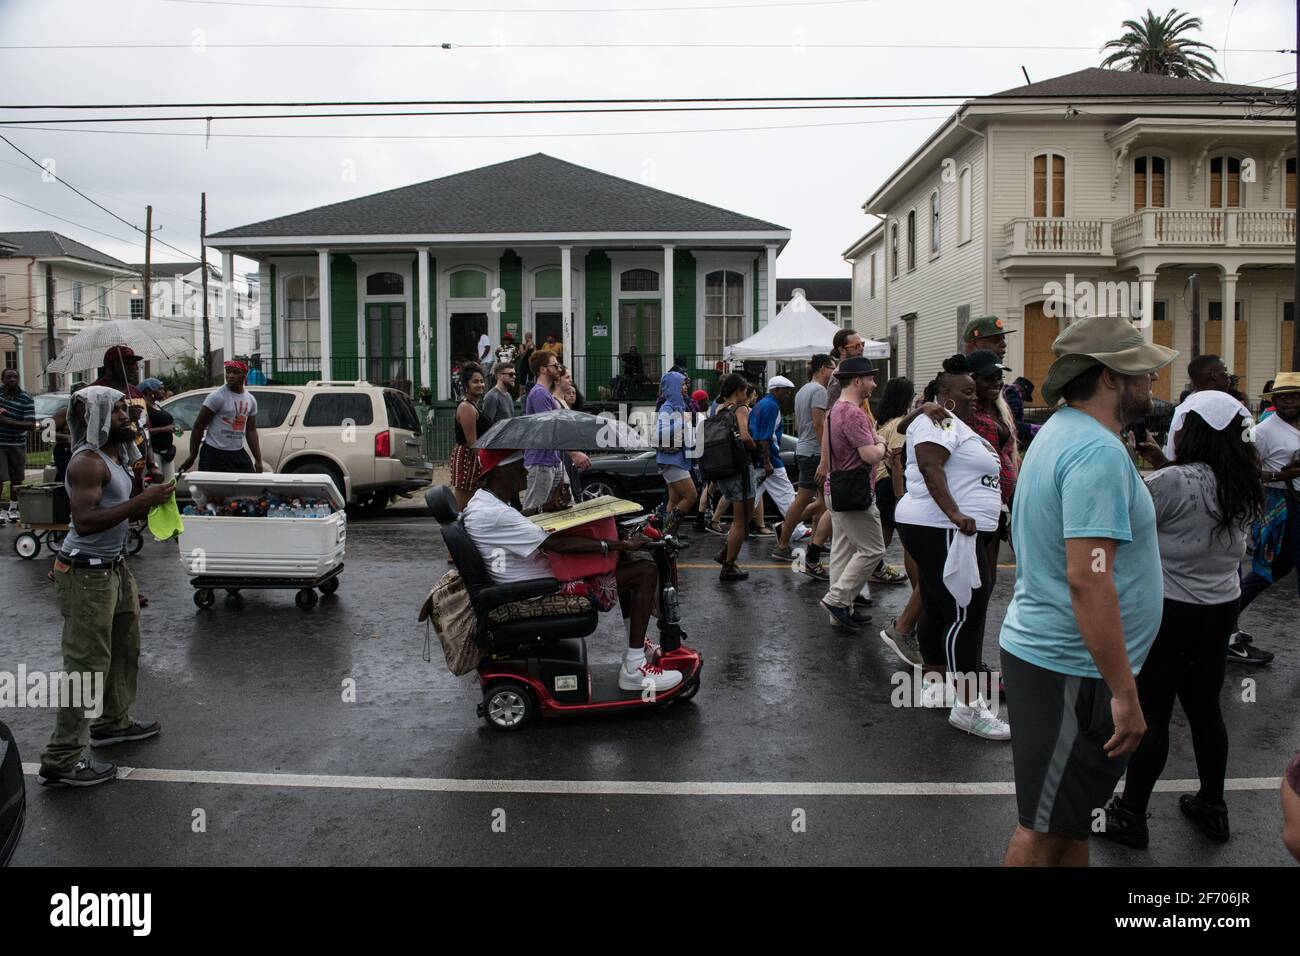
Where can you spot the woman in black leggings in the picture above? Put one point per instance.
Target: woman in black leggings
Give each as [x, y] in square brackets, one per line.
[1205, 502]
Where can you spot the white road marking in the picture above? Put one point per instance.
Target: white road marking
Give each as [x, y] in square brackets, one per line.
[650, 788]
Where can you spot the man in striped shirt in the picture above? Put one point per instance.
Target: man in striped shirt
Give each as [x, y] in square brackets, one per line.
[17, 419]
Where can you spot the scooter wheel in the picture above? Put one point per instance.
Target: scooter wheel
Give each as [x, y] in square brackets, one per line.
[305, 599]
[508, 706]
[690, 690]
[205, 598]
[27, 546]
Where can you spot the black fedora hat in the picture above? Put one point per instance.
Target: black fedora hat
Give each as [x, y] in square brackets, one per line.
[855, 367]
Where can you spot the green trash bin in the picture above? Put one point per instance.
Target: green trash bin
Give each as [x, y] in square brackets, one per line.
[43, 504]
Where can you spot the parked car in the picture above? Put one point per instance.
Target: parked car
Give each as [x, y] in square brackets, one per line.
[366, 437]
[634, 476]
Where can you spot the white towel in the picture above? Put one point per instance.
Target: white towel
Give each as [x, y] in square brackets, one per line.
[961, 572]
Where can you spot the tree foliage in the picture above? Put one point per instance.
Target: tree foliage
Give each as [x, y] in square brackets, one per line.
[1157, 45]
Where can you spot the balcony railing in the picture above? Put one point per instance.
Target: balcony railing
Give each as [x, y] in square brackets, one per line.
[1225, 228]
[1058, 237]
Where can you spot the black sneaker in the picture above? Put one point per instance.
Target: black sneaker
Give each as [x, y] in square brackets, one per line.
[1210, 818]
[861, 601]
[782, 554]
[136, 731]
[860, 617]
[86, 772]
[841, 616]
[1126, 826]
[1241, 650]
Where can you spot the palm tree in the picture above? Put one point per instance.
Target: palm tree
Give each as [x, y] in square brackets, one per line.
[1154, 45]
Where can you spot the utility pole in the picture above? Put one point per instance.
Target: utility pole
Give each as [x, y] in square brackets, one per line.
[52, 380]
[203, 266]
[148, 252]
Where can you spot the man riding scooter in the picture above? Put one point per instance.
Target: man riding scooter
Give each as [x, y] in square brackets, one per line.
[512, 547]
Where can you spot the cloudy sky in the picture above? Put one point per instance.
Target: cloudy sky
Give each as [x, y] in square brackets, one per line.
[808, 170]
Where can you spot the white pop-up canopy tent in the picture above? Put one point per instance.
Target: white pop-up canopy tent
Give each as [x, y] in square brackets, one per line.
[798, 332]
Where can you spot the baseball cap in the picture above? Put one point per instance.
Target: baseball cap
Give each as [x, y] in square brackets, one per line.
[489, 458]
[120, 353]
[984, 363]
[983, 327]
[151, 385]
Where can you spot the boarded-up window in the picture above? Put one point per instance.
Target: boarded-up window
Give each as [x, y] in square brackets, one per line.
[1225, 182]
[911, 240]
[1049, 185]
[1148, 182]
[1290, 183]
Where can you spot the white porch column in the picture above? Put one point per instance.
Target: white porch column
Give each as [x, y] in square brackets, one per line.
[666, 307]
[227, 303]
[442, 354]
[422, 310]
[1226, 351]
[566, 307]
[771, 283]
[1146, 319]
[326, 363]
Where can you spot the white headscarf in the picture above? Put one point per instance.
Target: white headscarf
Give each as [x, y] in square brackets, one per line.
[1219, 409]
[90, 419]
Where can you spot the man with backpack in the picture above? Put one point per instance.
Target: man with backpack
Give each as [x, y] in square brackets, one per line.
[728, 460]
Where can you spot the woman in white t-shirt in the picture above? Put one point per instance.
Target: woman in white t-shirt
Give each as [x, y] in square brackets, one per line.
[946, 518]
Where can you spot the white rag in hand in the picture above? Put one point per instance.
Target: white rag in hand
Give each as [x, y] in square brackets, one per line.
[961, 572]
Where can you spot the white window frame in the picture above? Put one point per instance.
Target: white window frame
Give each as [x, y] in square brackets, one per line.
[892, 252]
[76, 298]
[1068, 204]
[935, 224]
[1148, 155]
[307, 268]
[132, 311]
[965, 205]
[447, 304]
[536, 303]
[741, 262]
[403, 266]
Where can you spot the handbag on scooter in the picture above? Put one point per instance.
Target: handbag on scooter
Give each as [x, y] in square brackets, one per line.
[448, 611]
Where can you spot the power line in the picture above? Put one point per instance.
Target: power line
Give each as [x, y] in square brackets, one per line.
[99, 192]
[97, 205]
[593, 45]
[71, 222]
[624, 10]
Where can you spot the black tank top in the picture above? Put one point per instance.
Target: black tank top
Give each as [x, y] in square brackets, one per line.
[478, 424]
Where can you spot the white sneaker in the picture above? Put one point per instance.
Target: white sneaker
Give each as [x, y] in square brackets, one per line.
[800, 532]
[977, 719]
[647, 676]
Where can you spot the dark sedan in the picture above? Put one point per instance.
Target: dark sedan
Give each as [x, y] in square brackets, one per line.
[635, 477]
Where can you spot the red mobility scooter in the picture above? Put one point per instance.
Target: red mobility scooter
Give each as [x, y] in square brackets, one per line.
[538, 666]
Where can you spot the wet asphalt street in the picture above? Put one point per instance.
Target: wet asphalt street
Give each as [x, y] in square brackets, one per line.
[257, 736]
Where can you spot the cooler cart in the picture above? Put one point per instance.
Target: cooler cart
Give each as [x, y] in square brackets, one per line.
[236, 552]
[44, 518]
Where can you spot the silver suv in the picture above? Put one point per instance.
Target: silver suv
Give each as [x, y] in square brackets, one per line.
[366, 437]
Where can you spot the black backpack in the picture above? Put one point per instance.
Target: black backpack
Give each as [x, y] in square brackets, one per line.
[13, 796]
[724, 453]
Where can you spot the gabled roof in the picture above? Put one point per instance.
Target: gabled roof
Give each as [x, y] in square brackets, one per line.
[161, 269]
[1096, 81]
[534, 194]
[46, 244]
[816, 290]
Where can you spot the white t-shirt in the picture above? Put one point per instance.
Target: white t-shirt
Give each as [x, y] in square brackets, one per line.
[484, 343]
[230, 414]
[1277, 443]
[973, 473]
[509, 542]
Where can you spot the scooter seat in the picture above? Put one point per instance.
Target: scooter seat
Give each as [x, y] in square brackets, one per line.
[539, 630]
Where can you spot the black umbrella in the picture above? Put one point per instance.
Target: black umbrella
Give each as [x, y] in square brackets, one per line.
[563, 430]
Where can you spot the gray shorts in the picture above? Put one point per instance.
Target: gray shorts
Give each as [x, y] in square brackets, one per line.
[13, 463]
[734, 488]
[672, 474]
[542, 480]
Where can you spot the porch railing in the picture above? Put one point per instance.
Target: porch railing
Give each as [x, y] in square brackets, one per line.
[1042, 236]
[1225, 228]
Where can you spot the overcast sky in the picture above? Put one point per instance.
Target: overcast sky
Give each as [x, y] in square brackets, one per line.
[812, 180]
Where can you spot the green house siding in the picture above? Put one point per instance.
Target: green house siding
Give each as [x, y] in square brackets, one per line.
[343, 319]
[600, 311]
[512, 284]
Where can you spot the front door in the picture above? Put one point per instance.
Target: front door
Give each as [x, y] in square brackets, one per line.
[386, 345]
[1040, 332]
[639, 324]
[466, 328]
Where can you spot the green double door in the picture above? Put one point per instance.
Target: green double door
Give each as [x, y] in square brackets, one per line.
[386, 361]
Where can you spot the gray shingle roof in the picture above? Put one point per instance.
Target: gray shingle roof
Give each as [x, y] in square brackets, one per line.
[1096, 81]
[533, 194]
[46, 243]
[816, 290]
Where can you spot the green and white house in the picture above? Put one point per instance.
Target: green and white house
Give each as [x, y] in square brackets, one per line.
[396, 287]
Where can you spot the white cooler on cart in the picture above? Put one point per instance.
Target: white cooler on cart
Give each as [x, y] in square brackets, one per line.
[237, 552]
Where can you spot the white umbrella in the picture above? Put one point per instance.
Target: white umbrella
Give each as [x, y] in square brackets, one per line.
[85, 350]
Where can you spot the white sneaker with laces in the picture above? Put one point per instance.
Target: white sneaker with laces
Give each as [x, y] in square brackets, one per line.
[937, 693]
[647, 676]
[977, 719]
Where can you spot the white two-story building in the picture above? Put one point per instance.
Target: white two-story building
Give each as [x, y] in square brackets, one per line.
[1097, 190]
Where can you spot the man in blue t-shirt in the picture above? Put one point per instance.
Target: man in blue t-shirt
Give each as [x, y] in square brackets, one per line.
[1088, 595]
[765, 428]
[17, 421]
